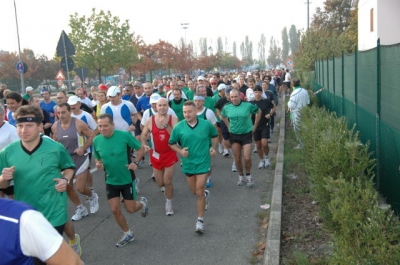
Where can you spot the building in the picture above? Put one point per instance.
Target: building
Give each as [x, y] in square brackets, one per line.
[377, 19]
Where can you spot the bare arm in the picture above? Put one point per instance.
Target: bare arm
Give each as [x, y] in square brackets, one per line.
[65, 255]
[83, 129]
[257, 119]
[54, 131]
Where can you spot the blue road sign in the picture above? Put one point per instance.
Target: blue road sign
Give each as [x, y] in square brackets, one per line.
[20, 67]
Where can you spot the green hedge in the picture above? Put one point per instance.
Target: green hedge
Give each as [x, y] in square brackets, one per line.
[340, 171]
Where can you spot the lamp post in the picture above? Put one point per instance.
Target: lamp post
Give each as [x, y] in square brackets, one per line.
[185, 26]
[19, 50]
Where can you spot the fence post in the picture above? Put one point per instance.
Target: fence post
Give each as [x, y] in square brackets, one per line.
[342, 82]
[378, 110]
[356, 86]
[333, 82]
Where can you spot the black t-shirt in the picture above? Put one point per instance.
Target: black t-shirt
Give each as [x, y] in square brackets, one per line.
[221, 103]
[243, 89]
[265, 105]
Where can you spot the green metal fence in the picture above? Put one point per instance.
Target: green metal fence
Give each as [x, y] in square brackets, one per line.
[365, 88]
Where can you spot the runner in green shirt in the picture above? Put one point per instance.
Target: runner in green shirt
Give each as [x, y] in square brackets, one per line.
[193, 136]
[236, 116]
[111, 150]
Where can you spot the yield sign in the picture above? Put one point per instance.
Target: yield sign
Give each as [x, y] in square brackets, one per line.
[60, 75]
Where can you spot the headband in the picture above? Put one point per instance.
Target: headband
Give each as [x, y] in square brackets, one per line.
[28, 119]
[198, 98]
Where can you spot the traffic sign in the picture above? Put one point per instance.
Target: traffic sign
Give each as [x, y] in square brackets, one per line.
[65, 46]
[67, 61]
[20, 67]
[60, 76]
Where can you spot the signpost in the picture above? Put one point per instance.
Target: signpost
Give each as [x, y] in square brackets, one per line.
[65, 48]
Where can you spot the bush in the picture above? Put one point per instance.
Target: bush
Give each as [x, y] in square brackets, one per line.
[340, 173]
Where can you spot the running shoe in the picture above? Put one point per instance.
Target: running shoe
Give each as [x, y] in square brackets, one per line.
[234, 169]
[137, 181]
[199, 227]
[141, 163]
[79, 213]
[163, 189]
[255, 149]
[153, 178]
[269, 140]
[125, 239]
[261, 164]
[77, 246]
[207, 195]
[250, 181]
[267, 162]
[240, 182]
[168, 209]
[220, 148]
[209, 183]
[226, 153]
[94, 203]
[145, 208]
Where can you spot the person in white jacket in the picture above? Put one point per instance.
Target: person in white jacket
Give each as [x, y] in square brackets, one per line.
[299, 98]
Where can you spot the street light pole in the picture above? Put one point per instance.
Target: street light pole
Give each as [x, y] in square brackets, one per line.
[19, 50]
[185, 26]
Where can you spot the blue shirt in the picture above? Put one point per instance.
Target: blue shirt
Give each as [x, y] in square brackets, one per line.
[10, 245]
[143, 104]
[11, 118]
[49, 107]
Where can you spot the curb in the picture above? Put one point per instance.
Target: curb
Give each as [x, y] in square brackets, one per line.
[273, 241]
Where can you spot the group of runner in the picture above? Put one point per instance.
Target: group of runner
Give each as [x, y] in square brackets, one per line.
[190, 117]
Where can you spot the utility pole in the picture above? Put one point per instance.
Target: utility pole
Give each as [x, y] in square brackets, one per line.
[185, 26]
[19, 51]
[308, 13]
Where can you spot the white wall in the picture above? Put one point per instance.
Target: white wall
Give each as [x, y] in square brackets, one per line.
[386, 23]
[366, 38]
[389, 21]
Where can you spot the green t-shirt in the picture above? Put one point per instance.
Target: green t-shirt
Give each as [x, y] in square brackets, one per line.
[185, 89]
[189, 94]
[216, 97]
[34, 174]
[209, 103]
[27, 97]
[239, 116]
[197, 140]
[178, 108]
[161, 94]
[114, 152]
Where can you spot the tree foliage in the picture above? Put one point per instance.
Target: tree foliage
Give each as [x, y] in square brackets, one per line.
[220, 46]
[285, 44]
[102, 42]
[261, 51]
[294, 39]
[275, 53]
[234, 49]
[334, 29]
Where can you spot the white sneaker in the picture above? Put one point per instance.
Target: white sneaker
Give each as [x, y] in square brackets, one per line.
[226, 153]
[168, 209]
[199, 227]
[255, 149]
[207, 195]
[163, 189]
[220, 148]
[94, 203]
[267, 162]
[240, 182]
[77, 246]
[79, 213]
[261, 164]
[137, 181]
[234, 169]
[250, 181]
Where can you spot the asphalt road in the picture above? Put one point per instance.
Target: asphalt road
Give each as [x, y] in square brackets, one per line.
[231, 222]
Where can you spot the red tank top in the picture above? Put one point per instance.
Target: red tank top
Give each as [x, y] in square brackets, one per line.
[160, 136]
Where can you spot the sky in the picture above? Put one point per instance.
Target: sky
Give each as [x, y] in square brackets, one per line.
[40, 22]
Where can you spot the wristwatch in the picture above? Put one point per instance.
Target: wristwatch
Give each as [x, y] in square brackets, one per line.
[66, 180]
[166, 125]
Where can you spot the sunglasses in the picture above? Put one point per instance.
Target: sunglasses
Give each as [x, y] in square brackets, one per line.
[213, 84]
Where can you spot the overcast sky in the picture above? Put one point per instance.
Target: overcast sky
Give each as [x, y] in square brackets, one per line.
[41, 21]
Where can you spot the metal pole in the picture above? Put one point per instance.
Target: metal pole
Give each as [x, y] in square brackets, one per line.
[378, 114]
[19, 50]
[66, 61]
[308, 14]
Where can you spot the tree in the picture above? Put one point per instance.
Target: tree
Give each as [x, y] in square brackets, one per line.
[335, 16]
[261, 51]
[234, 53]
[274, 57]
[294, 39]
[102, 42]
[203, 46]
[285, 44]
[220, 46]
